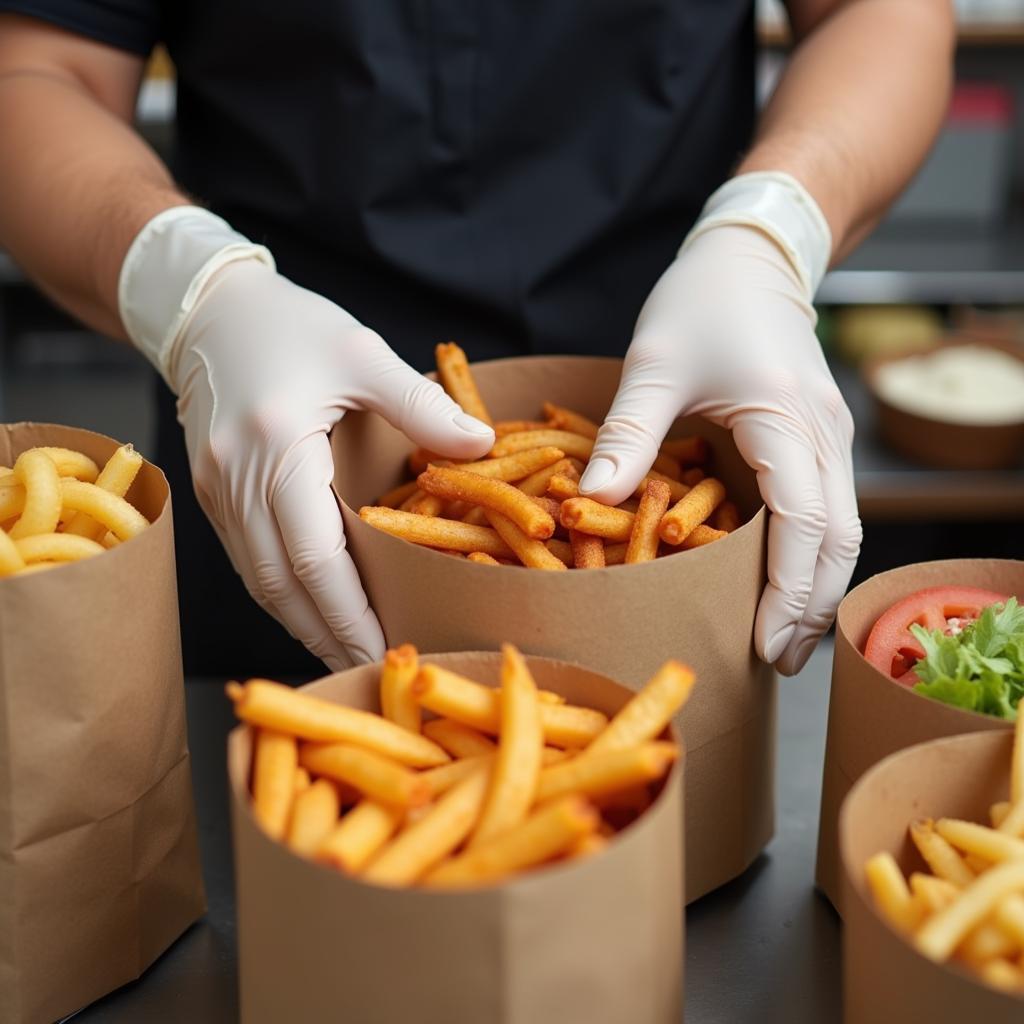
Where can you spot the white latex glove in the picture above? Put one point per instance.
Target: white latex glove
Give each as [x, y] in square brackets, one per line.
[728, 332]
[263, 369]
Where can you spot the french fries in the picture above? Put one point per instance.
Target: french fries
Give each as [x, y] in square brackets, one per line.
[446, 509]
[57, 506]
[354, 791]
[971, 908]
[396, 700]
[456, 378]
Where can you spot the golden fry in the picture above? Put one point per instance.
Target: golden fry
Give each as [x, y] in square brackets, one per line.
[701, 535]
[548, 832]
[587, 551]
[945, 930]
[517, 466]
[892, 897]
[71, 463]
[397, 703]
[276, 706]
[726, 517]
[421, 845]
[453, 696]
[503, 427]
[458, 739]
[687, 450]
[944, 861]
[375, 776]
[458, 485]
[123, 520]
[530, 551]
[520, 743]
[649, 711]
[10, 558]
[436, 533]
[984, 942]
[273, 780]
[615, 554]
[588, 516]
[998, 811]
[439, 780]
[1001, 974]
[37, 473]
[566, 419]
[1009, 915]
[482, 558]
[598, 775]
[57, 547]
[359, 835]
[424, 504]
[572, 444]
[537, 483]
[457, 379]
[692, 477]
[398, 495]
[691, 510]
[117, 476]
[12, 500]
[587, 845]
[302, 781]
[668, 466]
[931, 892]
[643, 539]
[677, 490]
[981, 840]
[562, 487]
[314, 814]
[561, 549]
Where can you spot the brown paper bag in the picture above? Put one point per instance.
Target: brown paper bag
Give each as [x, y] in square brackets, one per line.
[884, 977]
[869, 715]
[624, 620]
[599, 941]
[99, 865]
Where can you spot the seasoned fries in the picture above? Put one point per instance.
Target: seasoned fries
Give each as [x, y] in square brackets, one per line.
[57, 506]
[526, 788]
[456, 378]
[396, 678]
[691, 510]
[971, 908]
[446, 509]
[643, 538]
[459, 485]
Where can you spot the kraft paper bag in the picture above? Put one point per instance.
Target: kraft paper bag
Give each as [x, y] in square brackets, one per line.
[624, 621]
[598, 941]
[869, 715]
[99, 864]
[884, 977]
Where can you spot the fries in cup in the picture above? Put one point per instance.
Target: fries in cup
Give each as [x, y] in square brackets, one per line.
[527, 783]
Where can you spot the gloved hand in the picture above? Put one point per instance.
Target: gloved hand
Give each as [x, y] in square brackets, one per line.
[263, 369]
[728, 332]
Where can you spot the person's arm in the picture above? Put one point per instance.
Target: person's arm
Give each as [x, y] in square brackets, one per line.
[76, 182]
[728, 330]
[262, 368]
[858, 105]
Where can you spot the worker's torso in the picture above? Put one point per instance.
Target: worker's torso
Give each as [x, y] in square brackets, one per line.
[512, 173]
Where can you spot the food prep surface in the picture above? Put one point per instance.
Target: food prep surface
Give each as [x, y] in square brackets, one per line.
[764, 949]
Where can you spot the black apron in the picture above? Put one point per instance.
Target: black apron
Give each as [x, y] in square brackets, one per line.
[513, 175]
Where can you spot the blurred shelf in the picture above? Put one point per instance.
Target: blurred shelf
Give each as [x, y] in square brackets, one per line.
[890, 487]
[932, 264]
[981, 33]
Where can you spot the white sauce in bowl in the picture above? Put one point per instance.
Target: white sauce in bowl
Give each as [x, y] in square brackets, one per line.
[970, 384]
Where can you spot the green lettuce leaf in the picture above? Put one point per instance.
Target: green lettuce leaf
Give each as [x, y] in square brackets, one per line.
[980, 669]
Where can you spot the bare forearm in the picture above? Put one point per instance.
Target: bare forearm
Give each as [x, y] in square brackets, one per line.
[858, 107]
[76, 185]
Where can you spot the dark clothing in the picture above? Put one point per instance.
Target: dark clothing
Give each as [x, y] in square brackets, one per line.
[514, 175]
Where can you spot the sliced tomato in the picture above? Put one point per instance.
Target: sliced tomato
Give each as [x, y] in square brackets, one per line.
[891, 647]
